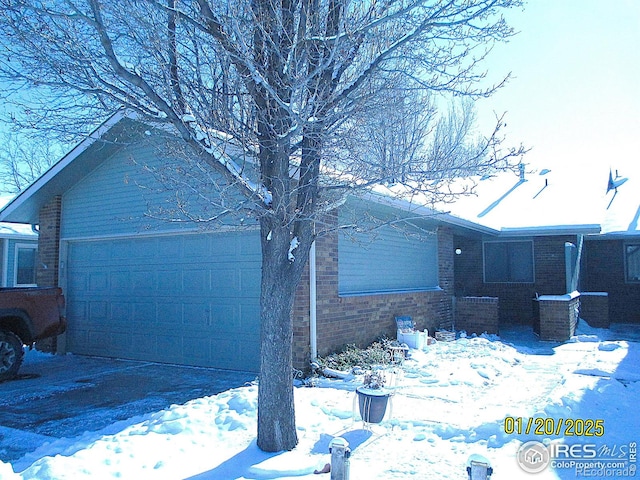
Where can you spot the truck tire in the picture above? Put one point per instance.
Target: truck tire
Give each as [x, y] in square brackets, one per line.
[11, 354]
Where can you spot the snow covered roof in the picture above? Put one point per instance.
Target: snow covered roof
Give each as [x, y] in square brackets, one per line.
[564, 196]
[15, 230]
[556, 199]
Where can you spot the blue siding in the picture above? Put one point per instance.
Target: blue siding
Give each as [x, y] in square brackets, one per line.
[114, 198]
[389, 259]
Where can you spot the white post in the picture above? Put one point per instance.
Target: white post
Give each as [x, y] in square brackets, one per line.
[478, 467]
[340, 453]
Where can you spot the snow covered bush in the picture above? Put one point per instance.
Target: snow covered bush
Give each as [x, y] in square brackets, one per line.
[353, 357]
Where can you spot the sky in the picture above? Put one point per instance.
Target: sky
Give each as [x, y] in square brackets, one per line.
[573, 98]
[576, 70]
[452, 402]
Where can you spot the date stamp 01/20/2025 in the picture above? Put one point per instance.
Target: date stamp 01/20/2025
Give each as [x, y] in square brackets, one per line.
[580, 447]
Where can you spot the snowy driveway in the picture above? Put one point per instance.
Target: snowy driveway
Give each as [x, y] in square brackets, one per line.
[64, 396]
[451, 402]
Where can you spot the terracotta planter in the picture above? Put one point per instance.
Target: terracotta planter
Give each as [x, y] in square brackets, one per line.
[372, 403]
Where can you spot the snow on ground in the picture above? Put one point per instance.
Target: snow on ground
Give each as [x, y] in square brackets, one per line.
[450, 402]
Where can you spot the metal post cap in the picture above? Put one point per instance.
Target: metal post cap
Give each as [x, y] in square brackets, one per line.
[338, 442]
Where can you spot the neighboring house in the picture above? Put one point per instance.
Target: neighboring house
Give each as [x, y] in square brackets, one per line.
[556, 230]
[144, 288]
[18, 254]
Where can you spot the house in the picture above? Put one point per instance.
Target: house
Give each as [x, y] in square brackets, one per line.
[141, 287]
[18, 254]
[557, 230]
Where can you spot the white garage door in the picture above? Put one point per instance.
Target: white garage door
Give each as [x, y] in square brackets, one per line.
[188, 299]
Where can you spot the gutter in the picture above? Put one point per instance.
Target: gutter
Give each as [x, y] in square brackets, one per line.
[582, 229]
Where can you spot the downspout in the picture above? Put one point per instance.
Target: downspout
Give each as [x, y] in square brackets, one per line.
[573, 257]
[313, 339]
[576, 279]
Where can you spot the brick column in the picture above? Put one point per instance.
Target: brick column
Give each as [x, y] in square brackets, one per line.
[301, 333]
[446, 280]
[558, 316]
[48, 257]
[49, 243]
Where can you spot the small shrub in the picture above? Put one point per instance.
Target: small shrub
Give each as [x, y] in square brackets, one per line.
[352, 356]
[374, 380]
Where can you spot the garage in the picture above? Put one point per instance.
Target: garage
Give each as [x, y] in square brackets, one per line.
[190, 299]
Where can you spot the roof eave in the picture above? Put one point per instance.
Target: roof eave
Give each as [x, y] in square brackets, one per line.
[18, 210]
[425, 211]
[546, 230]
[633, 234]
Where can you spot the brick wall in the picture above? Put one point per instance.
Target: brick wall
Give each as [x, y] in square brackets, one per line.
[301, 322]
[477, 314]
[515, 299]
[468, 267]
[363, 319]
[446, 276]
[603, 270]
[549, 253]
[594, 308]
[558, 316]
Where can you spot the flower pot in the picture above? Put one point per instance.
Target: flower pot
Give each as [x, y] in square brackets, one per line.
[372, 403]
[413, 339]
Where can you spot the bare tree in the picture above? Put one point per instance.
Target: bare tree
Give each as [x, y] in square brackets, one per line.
[24, 159]
[282, 77]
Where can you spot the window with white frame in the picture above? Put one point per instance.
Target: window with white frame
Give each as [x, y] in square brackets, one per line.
[632, 262]
[25, 265]
[508, 262]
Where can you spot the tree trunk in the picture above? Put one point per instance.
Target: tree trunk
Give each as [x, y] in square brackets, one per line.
[280, 277]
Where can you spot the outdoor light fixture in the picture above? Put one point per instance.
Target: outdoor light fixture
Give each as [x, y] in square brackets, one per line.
[458, 251]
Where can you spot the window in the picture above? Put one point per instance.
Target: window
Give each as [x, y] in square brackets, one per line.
[632, 262]
[508, 262]
[25, 265]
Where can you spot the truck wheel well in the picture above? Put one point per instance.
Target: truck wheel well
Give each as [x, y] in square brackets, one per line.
[18, 326]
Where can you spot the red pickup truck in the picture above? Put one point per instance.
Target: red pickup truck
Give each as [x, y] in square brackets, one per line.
[27, 315]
